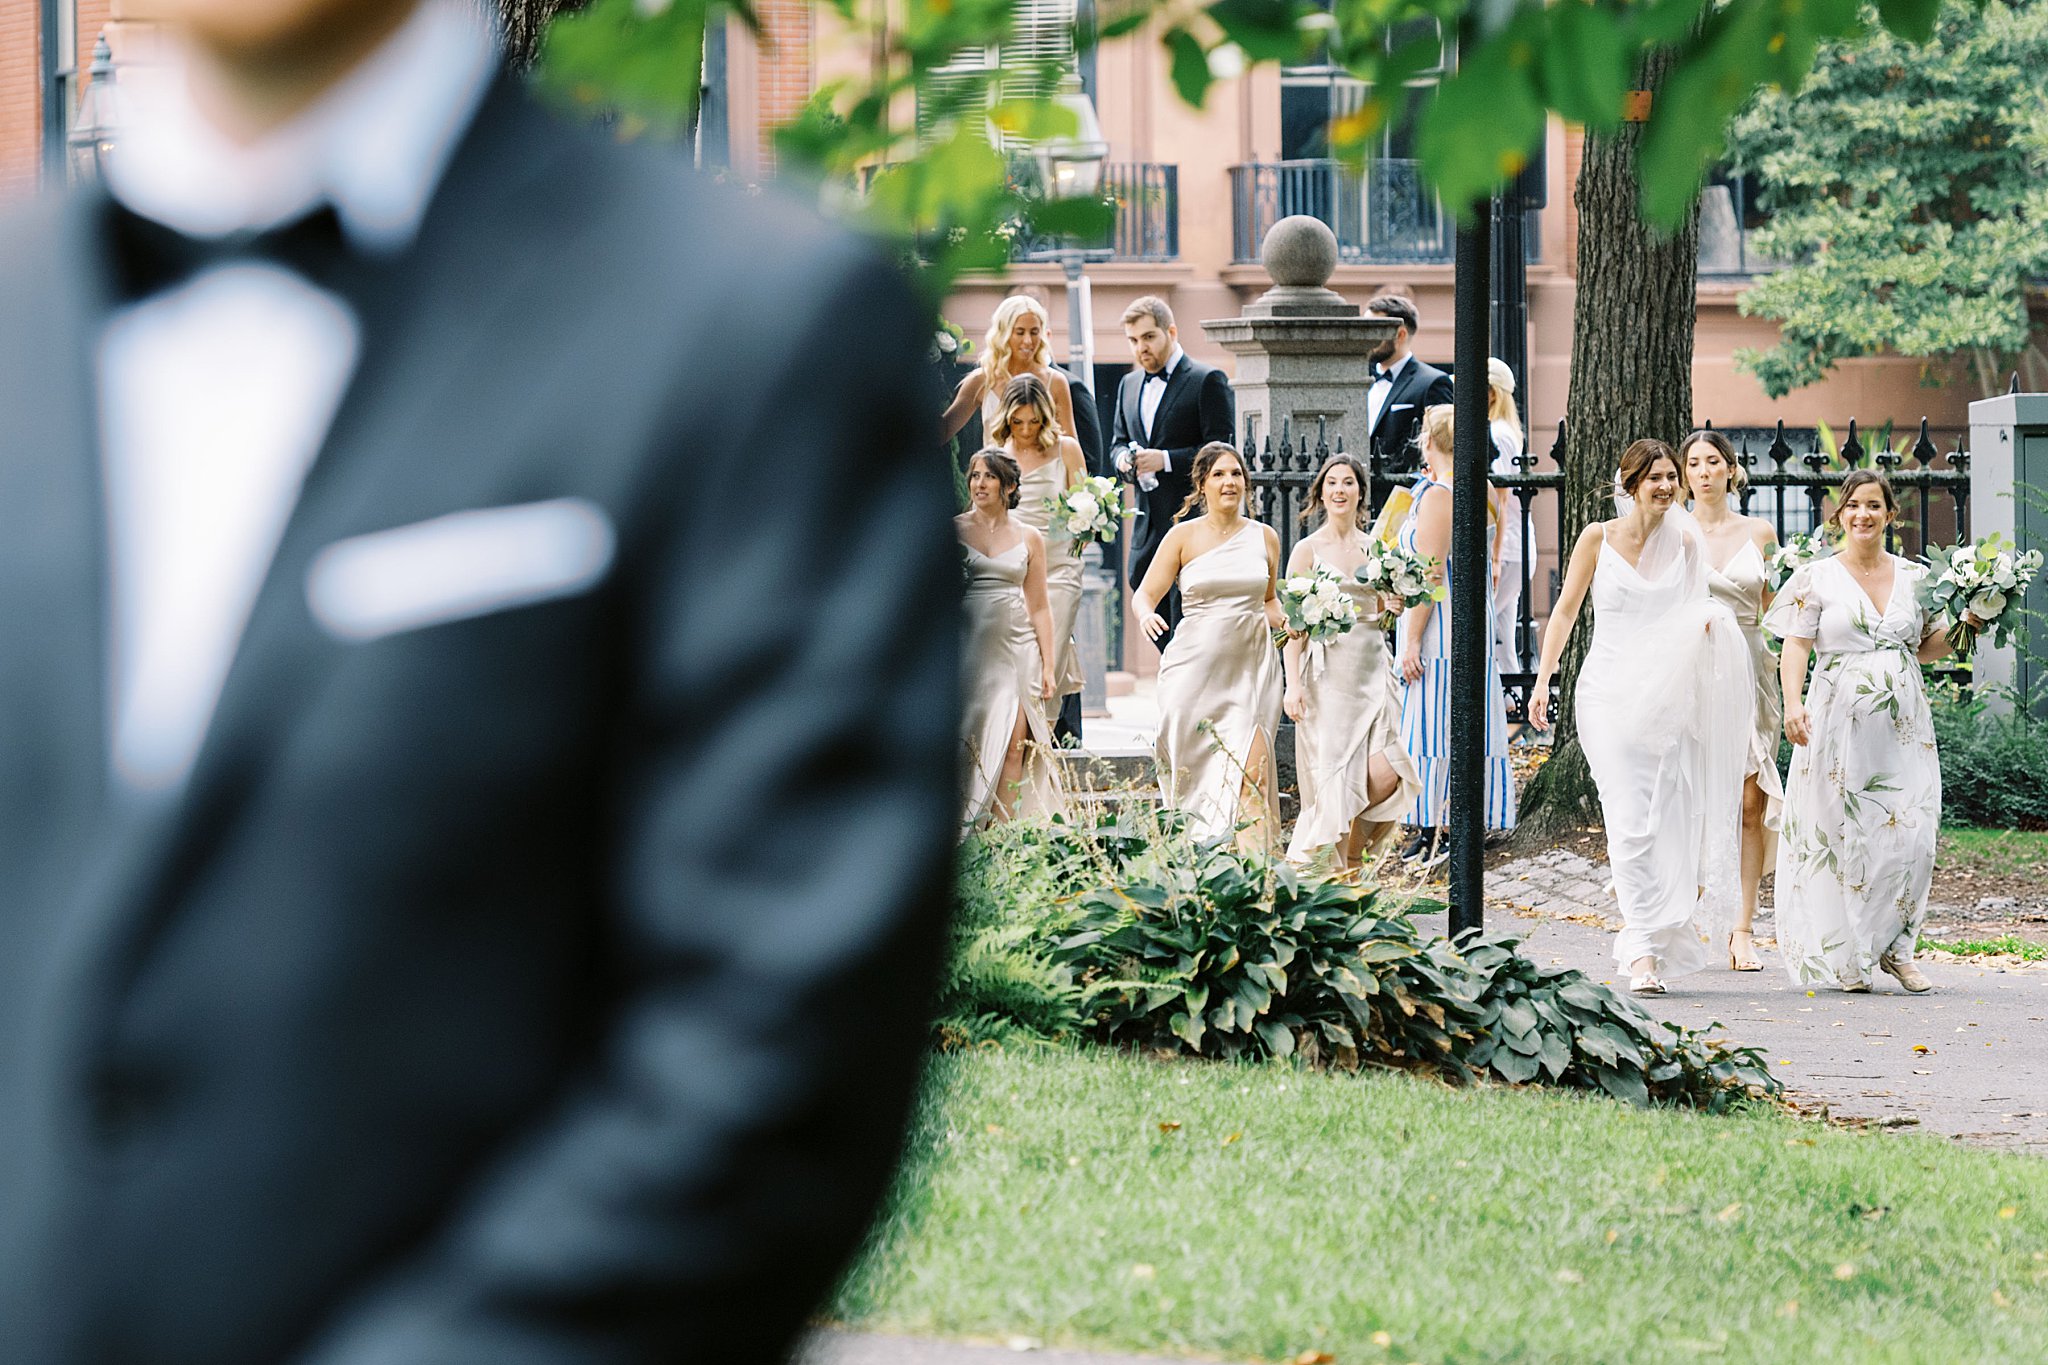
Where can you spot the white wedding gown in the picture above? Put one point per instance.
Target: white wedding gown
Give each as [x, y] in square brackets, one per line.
[1665, 712]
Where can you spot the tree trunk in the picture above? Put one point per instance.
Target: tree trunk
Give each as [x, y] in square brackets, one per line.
[524, 21]
[1631, 376]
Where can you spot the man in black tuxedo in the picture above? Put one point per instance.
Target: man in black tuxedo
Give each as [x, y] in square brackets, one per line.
[1403, 387]
[1167, 408]
[473, 864]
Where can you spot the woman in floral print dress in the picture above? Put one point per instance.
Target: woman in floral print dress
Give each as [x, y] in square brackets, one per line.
[1863, 800]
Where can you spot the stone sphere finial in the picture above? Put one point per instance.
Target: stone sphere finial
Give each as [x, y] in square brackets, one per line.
[1299, 252]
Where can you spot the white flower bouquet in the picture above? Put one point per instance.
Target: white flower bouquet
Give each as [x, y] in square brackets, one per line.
[1089, 510]
[1401, 574]
[1794, 555]
[1316, 604]
[1984, 580]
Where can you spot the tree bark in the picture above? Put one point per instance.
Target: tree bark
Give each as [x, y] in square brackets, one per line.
[524, 21]
[1631, 376]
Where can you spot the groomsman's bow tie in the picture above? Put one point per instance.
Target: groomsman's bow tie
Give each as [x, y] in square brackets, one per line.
[1379, 372]
[1156, 377]
[149, 258]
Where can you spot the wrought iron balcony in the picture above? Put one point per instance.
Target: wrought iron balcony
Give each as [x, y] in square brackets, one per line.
[1385, 213]
[1146, 198]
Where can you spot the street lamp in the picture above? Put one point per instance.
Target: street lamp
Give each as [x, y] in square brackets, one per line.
[92, 132]
[1070, 167]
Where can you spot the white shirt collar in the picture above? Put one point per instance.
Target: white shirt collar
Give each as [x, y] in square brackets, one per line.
[1392, 372]
[374, 146]
[1173, 358]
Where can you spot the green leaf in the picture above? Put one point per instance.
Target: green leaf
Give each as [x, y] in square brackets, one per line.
[1189, 66]
[1267, 30]
[1279, 1040]
[1478, 129]
[1912, 20]
[1588, 63]
[613, 55]
[1518, 1018]
[1514, 1066]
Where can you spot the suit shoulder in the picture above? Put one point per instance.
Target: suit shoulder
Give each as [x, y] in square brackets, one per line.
[30, 233]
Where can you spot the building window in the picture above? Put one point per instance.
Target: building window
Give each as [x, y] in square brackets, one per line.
[1037, 54]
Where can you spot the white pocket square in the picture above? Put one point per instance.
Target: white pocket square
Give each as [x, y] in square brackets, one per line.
[458, 566]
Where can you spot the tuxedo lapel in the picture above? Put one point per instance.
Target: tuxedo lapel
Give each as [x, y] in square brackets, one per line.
[1133, 395]
[1175, 382]
[417, 315]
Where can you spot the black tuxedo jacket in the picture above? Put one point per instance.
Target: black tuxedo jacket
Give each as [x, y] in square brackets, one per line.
[1197, 408]
[1416, 389]
[540, 987]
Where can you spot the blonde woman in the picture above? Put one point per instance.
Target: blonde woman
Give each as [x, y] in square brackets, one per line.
[1425, 640]
[1511, 544]
[1007, 672]
[1016, 345]
[1219, 678]
[1050, 463]
[1739, 554]
[1356, 779]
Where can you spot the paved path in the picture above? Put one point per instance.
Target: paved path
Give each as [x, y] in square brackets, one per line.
[862, 1348]
[1968, 1060]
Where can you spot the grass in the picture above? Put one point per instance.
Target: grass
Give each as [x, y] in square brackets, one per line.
[2006, 944]
[1994, 852]
[1088, 1198]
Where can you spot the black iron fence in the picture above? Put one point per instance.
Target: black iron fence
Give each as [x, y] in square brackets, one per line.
[1144, 199]
[1791, 473]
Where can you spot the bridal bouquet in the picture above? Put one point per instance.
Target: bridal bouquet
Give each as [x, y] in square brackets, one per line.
[1392, 571]
[1984, 579]
[1089, 510]
[1316, 605]
[1794, 555]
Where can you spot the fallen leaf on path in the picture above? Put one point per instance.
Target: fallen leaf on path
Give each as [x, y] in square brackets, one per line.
[1169, 1128]
[1729, 1214]
[1314, 1358]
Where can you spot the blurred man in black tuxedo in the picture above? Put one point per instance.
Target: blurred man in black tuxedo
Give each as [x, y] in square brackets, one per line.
[1403, 387]
[1168, 407]
[473, 865]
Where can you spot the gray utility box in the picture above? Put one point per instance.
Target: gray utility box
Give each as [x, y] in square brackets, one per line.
[2009, 495]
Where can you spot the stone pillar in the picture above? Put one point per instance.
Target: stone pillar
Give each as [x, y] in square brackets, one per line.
[1303, 353]
[2008, 463]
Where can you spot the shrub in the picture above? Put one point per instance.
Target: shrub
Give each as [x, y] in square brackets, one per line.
[1154, 941]
[1994, 764]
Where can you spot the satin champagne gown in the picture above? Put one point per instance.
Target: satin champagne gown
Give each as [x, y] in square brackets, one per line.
[1220, 684]
[1740, 587]
[1001, 667]
[1062, 566]
[1351, 711]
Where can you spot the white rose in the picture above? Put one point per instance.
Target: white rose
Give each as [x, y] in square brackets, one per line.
[1299, 585]
[1083, 507]
[1989, 605]
[1963, 557]
[1312, 612]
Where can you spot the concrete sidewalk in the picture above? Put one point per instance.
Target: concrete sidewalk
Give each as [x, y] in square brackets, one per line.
[1968, 1060]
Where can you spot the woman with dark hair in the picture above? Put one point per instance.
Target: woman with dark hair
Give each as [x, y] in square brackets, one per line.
[1863, 799]
[1738, 558]
[1025, 427]
[1007, 653]
[1355, 777]
[1663, 708]
[1219, 679]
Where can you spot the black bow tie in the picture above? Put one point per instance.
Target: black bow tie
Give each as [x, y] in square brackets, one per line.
[1380, 372]
[1156, 377]
[149, 258]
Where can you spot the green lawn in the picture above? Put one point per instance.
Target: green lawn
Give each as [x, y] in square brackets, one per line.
[2004, 943]
[1994, 852]
[1384, 1218]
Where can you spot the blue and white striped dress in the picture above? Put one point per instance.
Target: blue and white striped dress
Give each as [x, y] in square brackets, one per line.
[1426, 711]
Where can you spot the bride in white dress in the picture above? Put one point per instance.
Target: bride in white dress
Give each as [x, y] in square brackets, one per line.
[1664, 709]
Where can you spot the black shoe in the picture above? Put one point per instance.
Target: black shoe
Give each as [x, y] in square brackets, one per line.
[1436, 854]
[1417, 844]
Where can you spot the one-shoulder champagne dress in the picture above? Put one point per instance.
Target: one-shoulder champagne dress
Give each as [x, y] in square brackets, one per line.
[1001, 674]
[1219, 687]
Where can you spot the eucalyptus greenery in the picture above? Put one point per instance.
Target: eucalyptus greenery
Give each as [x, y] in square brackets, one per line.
[1129, 933]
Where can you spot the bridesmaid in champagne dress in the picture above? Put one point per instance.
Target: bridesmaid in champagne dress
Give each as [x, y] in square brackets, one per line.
[1220, 679]
[1739, 550]
[1016, 345]
[1355, 777]
[1663, 708]
[1006, 682]
[1051, 463]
